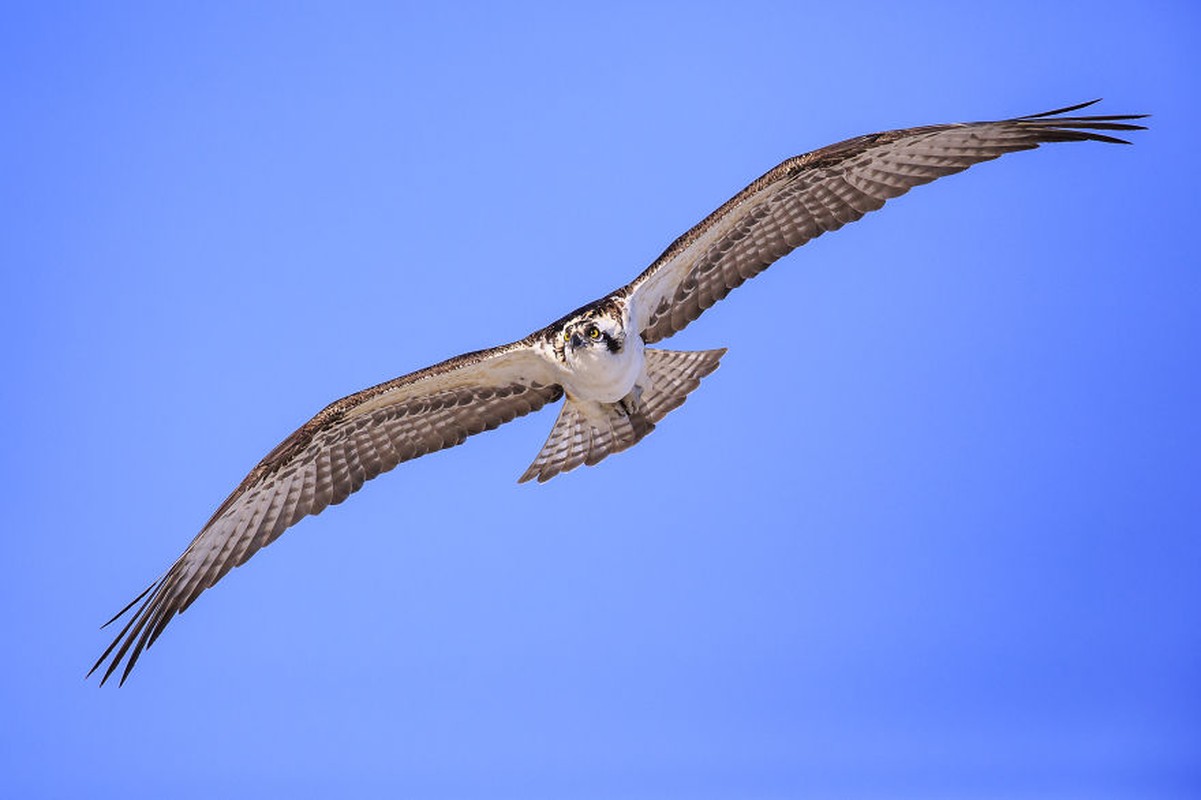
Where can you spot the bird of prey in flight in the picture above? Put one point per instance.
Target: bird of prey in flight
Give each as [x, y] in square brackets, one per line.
[616, 387]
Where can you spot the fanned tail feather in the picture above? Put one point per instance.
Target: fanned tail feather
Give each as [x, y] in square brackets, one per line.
[673, 374]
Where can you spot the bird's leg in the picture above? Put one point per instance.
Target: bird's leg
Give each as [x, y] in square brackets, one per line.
[631, 404]
[631, 407]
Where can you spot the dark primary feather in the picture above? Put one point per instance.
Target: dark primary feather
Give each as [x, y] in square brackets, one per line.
[821, 191]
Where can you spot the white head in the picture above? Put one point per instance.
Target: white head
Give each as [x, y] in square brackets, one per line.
[593, 336]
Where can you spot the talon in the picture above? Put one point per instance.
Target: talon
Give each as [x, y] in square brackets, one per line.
[632, 402]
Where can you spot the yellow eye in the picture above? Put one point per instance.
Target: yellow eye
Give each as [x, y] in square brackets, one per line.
[594, 332]
[567, 336]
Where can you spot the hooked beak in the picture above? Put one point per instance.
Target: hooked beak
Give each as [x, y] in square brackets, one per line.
[576, 340]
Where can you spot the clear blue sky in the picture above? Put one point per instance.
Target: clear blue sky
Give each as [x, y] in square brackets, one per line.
[932, 530]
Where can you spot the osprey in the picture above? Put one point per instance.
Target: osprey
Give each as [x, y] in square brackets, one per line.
[616, 388]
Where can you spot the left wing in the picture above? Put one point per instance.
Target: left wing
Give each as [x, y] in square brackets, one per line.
[821, 191]
[331, 456]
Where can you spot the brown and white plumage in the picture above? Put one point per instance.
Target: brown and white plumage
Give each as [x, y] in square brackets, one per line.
[616, 392]
[821, 191]
[331, 456]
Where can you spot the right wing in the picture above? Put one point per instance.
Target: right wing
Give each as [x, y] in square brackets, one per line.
[329, 457]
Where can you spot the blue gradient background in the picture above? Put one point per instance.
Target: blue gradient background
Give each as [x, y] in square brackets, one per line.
[932, 530]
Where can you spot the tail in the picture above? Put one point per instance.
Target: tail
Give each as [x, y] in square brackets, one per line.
[587, 431]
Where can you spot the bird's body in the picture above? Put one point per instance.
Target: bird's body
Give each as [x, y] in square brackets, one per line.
[617, 387]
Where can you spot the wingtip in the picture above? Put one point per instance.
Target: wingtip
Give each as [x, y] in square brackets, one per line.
[130, 605]
[1078, 106]
[1065, 110]
[122, 642]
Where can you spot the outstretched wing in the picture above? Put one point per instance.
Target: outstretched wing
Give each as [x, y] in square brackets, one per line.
[329, 457]
[821, 191]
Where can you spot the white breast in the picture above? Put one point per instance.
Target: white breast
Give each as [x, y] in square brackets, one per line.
[594, 373]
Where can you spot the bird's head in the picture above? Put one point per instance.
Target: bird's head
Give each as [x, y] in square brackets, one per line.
[596, 334]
